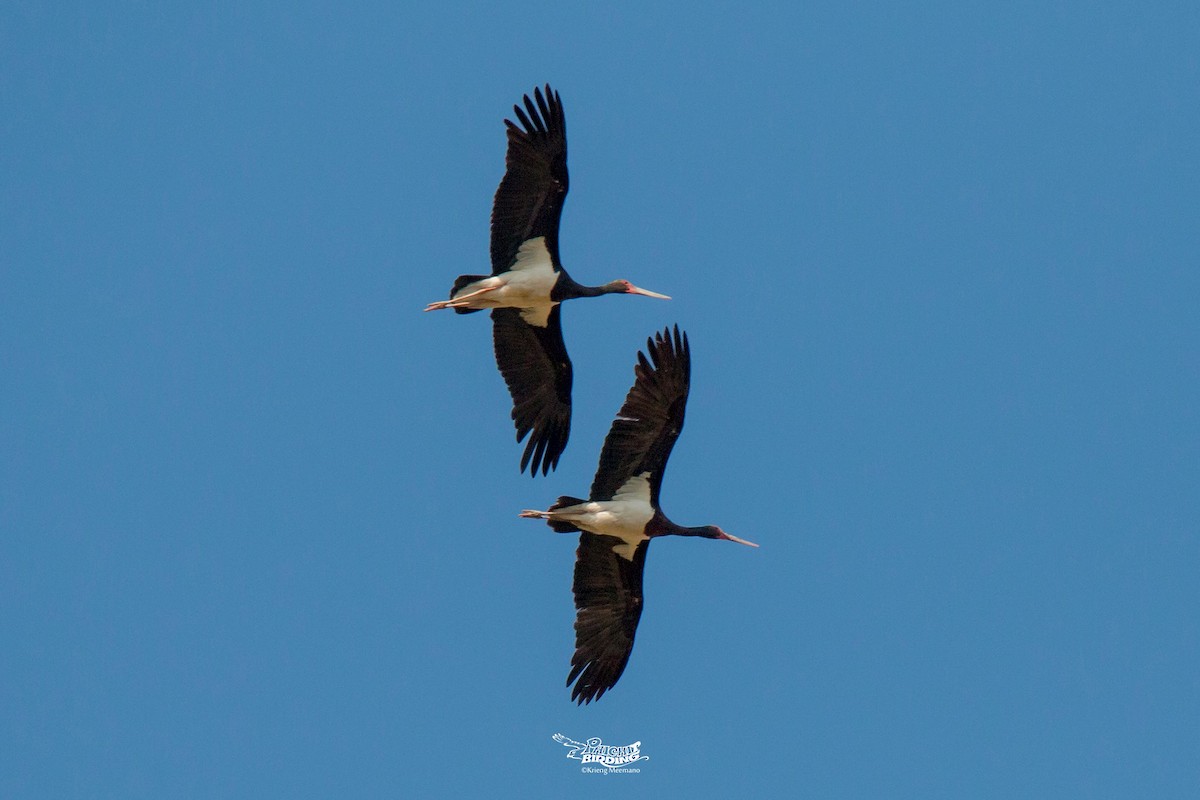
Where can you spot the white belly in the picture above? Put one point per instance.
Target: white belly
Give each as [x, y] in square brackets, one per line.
[526, 284]
[625, 516]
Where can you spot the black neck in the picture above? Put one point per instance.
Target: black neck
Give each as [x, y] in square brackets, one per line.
[659, 525]
[566, 289]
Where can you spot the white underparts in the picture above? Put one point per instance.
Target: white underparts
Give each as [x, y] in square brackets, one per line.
[526, 285]
[625, 516]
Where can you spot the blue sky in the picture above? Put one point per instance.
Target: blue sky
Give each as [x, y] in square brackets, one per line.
[258, 513]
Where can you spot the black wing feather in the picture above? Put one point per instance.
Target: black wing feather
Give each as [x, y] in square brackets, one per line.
[530, 197]
[536, 367]
[644, 432]
[608, 596]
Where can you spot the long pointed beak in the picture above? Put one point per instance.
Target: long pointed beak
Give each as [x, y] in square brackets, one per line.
[638, 290]
[732, 538]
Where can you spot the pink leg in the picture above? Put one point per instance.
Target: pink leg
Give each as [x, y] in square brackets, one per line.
[460, 301]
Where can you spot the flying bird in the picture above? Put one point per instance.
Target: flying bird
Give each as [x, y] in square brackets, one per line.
[622, 515]
[528, 281]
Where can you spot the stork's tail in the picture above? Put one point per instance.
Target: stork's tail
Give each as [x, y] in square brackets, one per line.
[460, 283]
[558, 525]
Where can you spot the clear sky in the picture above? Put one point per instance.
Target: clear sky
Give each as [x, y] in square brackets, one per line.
[258, 513]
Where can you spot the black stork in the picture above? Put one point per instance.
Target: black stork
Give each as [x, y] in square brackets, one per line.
[622, 515]
[528, 281]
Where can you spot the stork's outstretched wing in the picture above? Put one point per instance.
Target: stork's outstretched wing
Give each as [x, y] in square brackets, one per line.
[644, 432]
[530, 197]
[608, 599]
[537, 369]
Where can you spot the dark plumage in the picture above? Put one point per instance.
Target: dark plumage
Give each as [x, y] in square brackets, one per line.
[528, 281]
[622, 515]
